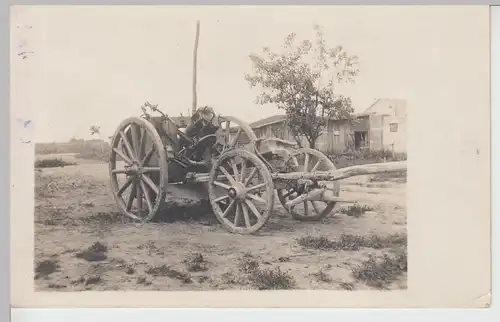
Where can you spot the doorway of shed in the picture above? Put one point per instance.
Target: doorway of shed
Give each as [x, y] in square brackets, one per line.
[360, 139]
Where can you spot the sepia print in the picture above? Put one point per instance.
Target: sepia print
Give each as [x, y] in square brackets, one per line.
[214, 153]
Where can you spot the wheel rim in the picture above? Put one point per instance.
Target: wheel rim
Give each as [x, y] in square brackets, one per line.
[233, 133]
[138, 169]
[309, 160]
[241, 192]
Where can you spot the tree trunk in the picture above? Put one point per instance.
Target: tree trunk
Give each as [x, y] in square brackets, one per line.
[298, 140]
[312, 143]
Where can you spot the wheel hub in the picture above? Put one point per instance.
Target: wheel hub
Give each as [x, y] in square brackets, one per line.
[237, 192]
[134, 169]
[232, 193]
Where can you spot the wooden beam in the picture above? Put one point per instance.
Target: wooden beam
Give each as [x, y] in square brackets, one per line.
[316, 195]
[343, 173]
[195, 63]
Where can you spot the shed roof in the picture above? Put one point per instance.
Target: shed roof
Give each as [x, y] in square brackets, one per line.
[277, 119]
[268, 121]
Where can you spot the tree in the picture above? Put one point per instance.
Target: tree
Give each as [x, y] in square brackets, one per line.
[302, 81]
[96, 130]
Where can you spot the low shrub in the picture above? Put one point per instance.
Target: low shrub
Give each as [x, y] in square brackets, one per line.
[265, 278]
[347, 158]
[348, 242]
[93, 155]
[45, 268]
[195, 262]
[379, 273]
[399, 176]
[272, 279]
[355, 210]
[52, 163]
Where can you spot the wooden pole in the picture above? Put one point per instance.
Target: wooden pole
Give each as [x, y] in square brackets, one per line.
[195, 56]
[333, 175]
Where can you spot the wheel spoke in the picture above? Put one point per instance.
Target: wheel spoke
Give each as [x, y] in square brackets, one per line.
[125, 185]
[243, 168]
[123, 156]
[150, 169]
[228, 176]
[135, 140]
[228, 132]
[306, 208]
[147, 197]
[256, 198]
[139, 198]
[228, 209]
[260, 185]
[235, 171]
[150, 183]
[127, 145]
[247, 180]
[245, 215]
[316, 165]
[142, 145]
[132, 195]
[222, 185]
[306, 162]
[148, 156]
[253, 209]
[219, 199]
[238, 215]
[315, 207]
[295, 162]
[119, 171]
[236, 136]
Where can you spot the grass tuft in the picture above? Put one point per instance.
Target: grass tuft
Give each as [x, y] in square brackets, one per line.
[379, 273]
[355, 210]
[46, 267]
[95, 253]
[265, 278]
[195, 262]
[349, 242]
[272, 279]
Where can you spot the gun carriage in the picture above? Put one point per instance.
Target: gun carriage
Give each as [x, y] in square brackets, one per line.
[241, 174]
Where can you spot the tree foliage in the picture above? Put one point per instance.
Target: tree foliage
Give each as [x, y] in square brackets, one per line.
[95, 130]
[302, 81]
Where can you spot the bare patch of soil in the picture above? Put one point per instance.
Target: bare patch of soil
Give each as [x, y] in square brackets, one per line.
[82, 242]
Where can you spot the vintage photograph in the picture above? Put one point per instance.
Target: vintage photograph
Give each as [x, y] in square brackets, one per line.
[216, 152]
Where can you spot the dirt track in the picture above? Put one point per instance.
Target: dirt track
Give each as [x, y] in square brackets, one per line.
[74, 209]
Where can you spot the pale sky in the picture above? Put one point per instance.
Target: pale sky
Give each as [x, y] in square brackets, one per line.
[98, 65]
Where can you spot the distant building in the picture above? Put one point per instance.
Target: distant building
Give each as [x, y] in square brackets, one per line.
[381, 125]
[384, 125]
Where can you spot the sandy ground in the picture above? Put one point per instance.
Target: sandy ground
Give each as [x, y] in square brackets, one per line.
[75, 209]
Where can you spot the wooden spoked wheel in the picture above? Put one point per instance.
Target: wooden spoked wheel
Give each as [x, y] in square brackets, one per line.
[241, 191]
[309, 160]
[233, 133]
[138, 169]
